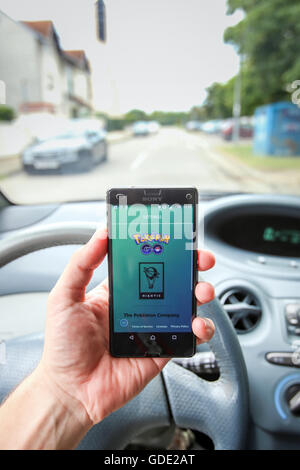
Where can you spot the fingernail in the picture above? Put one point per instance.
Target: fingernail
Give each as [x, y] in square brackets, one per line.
[208, 325]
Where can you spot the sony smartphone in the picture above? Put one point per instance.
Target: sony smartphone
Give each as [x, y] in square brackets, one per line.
[152, 258]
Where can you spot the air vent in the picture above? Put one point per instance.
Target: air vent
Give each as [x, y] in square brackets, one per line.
[242, 307]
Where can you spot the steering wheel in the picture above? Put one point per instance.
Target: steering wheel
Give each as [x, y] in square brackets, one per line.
[218, 409]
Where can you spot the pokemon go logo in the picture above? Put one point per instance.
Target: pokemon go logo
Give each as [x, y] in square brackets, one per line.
[151, 243]
[151, 238]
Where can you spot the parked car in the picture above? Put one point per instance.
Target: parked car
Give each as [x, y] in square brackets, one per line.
[80, 146]
[245, 131]
[193, 126]
[212, 127]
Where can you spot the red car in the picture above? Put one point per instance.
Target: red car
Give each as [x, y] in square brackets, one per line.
[246, 131]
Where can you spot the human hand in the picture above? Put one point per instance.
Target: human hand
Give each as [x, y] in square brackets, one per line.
[76, 362]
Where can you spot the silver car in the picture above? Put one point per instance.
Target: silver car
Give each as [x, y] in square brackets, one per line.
[79, 147]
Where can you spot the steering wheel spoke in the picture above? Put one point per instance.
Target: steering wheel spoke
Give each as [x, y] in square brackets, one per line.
[192, 399]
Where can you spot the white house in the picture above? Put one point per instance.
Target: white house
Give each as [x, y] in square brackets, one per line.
[38, 74]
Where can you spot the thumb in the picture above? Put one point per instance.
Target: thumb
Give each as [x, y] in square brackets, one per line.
[71, 286]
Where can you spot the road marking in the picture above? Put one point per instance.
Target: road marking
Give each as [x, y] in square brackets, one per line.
[139, 160]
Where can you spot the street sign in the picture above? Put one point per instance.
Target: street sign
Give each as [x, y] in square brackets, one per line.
[101, 20]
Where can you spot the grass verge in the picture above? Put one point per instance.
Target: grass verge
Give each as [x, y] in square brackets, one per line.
[244, 154]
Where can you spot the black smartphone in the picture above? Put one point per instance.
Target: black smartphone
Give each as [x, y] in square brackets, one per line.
[152, 263]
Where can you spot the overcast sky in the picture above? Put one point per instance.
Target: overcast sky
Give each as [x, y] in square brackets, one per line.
[160, 54]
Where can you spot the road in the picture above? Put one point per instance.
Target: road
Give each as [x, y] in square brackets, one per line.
[172, 157]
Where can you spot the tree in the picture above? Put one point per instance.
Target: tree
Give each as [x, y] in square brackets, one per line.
[170, 118]
[198, 113]
[219, 100]
[268, 39]
[135, 115]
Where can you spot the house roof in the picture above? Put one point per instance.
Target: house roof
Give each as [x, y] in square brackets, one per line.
[45, 28]
[79, 57]
[77, 54]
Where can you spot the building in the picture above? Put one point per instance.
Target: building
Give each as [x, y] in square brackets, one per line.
[38, 74]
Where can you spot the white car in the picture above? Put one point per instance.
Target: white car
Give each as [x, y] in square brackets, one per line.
[78, 147]
[193, 126]
[140, 128]
[153, 127]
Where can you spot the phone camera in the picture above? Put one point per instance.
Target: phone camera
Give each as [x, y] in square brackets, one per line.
[188, 196]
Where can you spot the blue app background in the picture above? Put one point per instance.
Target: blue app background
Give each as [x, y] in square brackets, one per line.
[171, 312]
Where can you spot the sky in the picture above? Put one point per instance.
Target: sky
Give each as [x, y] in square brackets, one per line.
[159, 55]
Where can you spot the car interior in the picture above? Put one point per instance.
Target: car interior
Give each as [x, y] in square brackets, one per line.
[241, 390]
[237, 392]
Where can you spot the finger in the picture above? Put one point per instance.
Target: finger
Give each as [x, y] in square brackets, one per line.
[204, 292]
[206, 260]
[203, 329]
[72, 283]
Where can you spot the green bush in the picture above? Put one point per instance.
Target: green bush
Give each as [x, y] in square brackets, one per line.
[115, 124]
[6, 113]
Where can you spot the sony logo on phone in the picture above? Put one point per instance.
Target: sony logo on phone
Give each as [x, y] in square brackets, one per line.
[151, 199]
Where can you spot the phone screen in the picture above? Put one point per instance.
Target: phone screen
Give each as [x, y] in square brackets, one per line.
[152, 258]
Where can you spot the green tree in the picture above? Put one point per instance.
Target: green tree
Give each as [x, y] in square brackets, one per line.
[268, 39]
[198, 113]
[170, 118]
[219, 100]
[135, 115]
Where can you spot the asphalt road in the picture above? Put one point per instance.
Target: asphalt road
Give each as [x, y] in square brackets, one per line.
[172, 157]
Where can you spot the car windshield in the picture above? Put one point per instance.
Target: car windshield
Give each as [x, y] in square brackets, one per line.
[109, 93]
[68, 134]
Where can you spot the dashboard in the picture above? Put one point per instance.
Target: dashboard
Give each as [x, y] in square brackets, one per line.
[274, 234]
[257, 274]
[256, 240]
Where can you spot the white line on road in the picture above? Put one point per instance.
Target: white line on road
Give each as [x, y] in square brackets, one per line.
[139, 160]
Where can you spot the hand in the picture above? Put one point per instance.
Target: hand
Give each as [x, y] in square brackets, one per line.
[76, 363]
